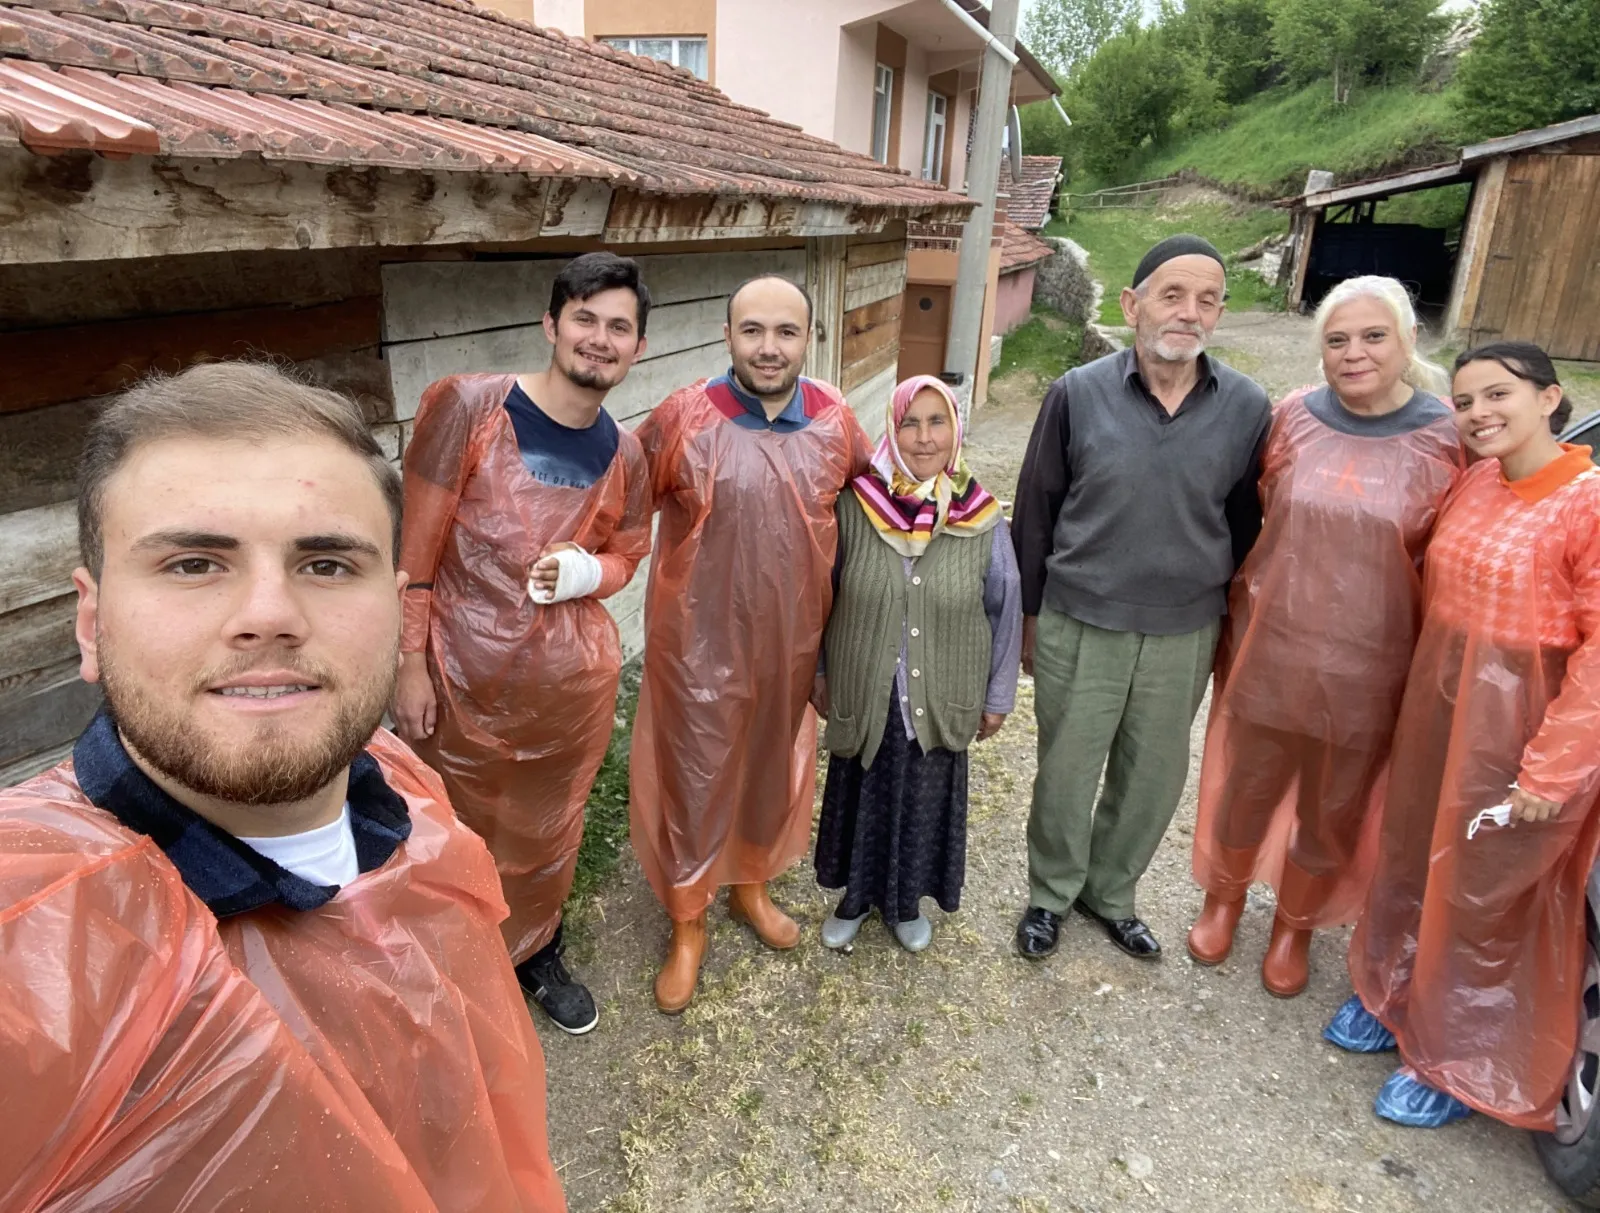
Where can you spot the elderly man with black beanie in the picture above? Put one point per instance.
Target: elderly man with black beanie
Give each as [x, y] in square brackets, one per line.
[1137, 503]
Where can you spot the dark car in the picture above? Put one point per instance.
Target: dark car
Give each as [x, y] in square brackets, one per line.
[1585, 432]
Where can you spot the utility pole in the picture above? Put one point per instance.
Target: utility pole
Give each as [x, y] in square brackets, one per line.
[983, 179]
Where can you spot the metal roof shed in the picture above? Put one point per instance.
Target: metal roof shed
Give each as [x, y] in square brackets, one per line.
[1528, 264]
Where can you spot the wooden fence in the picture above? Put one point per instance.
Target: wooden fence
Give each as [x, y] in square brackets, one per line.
[1140, 193]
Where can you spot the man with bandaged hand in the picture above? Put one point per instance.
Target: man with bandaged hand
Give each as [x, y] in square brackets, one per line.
[526, 505]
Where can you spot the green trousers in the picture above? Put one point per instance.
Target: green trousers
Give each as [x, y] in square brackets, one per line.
[1121, 702]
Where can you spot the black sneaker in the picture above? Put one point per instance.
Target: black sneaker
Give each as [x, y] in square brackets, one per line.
[546, 980]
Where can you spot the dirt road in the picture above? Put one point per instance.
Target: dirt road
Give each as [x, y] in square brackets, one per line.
[968, 1079]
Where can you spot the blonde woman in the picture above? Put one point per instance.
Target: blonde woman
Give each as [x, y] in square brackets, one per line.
[1322, 620]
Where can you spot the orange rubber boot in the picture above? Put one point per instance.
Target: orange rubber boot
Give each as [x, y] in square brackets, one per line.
[1211, 937]
[749, 903]
[680, 974]
[1286, 968]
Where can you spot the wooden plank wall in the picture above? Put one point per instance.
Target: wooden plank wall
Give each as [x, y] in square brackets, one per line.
[70, 335]
[1538, 282]
[875, 283]
[444, 318]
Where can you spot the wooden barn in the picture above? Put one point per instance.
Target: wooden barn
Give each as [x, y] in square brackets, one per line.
[1526, 265]
[379, 192]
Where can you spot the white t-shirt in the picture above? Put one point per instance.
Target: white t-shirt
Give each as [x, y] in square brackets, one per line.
[325, 855]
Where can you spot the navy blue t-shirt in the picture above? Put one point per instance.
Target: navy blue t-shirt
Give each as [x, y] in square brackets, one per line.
[556, 454]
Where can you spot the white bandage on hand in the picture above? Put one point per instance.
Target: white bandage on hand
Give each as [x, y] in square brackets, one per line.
[578, 576]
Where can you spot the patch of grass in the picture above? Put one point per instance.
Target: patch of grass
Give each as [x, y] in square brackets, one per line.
[605, 825]
[1276, 137]
[1117, 239]
[1581, 382]
[1048, 346]
[1445, 207]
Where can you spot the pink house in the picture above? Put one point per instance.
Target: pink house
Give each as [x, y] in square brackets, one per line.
[896, 80]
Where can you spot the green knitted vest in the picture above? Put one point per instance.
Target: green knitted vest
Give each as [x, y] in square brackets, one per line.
[948, 638]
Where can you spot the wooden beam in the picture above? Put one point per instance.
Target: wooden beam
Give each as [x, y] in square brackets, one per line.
[1477, 234]
[69, 292]
[45, 714]
[80, 207]
[1306, 222]
[870, 283]
[49, 366]
[35, 637]
[869, 329]
[38, 551]
[825, 280]
[885, 358]
[439, 299]
[870, 399]
[1384, 187]
[1526, 140]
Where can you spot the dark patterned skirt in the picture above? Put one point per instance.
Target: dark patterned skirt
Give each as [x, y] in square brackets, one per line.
[896, 832]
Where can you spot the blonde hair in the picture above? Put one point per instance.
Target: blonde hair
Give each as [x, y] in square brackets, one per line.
[1419, 372]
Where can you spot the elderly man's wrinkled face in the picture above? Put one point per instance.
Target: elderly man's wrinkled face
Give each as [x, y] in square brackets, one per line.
[245, 624]
[1175, 310]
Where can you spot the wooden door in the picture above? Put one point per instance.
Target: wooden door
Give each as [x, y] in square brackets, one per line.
[1541, 282]
[924, 329]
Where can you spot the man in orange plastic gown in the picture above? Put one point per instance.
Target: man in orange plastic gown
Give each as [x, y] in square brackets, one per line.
[249, 960]
[526, 506]
[746, 468]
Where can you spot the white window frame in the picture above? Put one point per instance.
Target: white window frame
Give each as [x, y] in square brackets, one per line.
[933, 140]
[882, 111]
[631, 46]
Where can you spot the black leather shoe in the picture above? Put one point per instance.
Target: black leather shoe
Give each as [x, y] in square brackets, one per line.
[567, 1001]
[1129, 934]
[1038, 933]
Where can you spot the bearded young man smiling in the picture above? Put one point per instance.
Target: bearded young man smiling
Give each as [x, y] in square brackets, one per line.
[273, 950]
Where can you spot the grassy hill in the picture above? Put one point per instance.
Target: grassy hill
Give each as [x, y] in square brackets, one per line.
[1272, 140]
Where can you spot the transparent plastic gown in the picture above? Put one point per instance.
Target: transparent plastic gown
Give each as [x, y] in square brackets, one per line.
[1472, 951]
[527, 693]
[1322, 619]
[372, 1054]
[741, 582]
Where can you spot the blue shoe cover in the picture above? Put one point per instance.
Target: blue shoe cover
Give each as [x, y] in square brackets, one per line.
[1407, 1100]
[1357, 1030]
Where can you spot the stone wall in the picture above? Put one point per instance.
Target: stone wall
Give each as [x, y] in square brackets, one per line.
[1066, 286]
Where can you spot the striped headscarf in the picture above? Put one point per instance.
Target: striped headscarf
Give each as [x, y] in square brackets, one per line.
[908, 513]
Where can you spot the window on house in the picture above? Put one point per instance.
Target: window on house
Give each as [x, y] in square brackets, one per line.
[933, 141]
[882, 107]
[688, 53]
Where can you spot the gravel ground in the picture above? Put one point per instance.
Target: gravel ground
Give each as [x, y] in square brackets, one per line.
[966, 1078]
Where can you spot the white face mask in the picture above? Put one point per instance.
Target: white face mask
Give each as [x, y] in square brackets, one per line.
[1499, 815]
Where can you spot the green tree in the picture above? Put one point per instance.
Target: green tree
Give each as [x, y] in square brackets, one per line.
[1349, 40]
[1228, 41]
[1123, 98]
[1064, 34]
[1536, 62]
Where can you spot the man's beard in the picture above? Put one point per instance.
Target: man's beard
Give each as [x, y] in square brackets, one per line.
[1158, 345]
[273, 770]
[783, 391]
[593, 378]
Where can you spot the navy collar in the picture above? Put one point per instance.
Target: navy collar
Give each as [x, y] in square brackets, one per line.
[1206, 374]
[226, 874]
[793, 416]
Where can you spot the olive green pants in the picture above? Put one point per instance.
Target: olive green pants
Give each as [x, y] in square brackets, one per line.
[1124, 703]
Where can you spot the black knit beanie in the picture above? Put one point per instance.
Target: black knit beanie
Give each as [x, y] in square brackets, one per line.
[1182, 245]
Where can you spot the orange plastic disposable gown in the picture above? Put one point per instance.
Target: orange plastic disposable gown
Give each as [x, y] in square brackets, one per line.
[372, 1054]
[1321, 623]
[1471, 952]
[527, 693]
[723, 767]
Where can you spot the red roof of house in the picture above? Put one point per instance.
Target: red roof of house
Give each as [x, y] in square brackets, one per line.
[418, 84]
[1029, 201]
[1019, 249]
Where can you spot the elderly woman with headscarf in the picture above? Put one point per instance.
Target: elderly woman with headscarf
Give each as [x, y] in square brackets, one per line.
[920, 659]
